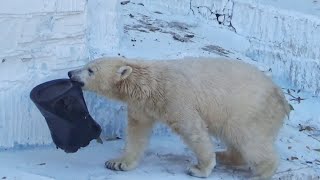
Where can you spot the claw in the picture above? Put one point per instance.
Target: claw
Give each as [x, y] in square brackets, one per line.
[108, 165]
[121, 168]
[99, 140]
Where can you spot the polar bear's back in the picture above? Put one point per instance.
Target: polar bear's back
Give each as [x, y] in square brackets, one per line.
[226, 91]
[209, 75]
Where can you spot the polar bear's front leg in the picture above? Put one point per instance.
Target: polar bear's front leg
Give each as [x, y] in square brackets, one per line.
[138, 133]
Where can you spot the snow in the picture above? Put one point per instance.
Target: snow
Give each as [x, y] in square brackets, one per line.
[279, 37]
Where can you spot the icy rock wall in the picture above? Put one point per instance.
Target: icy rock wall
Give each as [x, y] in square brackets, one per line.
[103, 34]
[40, 40]
[43, 39]
[286, 40]
[284, 34]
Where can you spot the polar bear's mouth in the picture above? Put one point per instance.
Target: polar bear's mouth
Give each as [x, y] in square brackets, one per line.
[80, 83]
[77, 81]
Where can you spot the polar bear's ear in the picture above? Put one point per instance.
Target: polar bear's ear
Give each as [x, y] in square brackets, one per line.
[124, 72]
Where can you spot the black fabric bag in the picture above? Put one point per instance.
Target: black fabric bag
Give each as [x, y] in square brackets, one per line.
[62, 104]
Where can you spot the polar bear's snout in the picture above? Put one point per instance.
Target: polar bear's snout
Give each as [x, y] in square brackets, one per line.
[70, 74]
[75, 76]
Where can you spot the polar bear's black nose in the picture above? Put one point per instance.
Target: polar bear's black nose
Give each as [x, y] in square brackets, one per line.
[70, 74]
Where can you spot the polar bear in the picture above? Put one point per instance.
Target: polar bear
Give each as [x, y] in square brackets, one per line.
[197, 98]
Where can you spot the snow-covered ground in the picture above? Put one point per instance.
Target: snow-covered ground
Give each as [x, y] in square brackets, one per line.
[154, 32]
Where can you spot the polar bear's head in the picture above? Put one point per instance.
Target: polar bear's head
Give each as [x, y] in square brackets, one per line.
[101, 75]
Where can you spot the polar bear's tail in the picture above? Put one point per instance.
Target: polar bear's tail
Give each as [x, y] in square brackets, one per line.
[286, 106]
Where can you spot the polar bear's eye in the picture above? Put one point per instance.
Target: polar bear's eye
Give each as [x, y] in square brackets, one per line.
[90, 71]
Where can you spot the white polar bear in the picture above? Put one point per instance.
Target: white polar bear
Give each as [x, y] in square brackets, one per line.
[195, 97]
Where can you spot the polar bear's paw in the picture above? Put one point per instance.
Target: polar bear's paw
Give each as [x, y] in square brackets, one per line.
[120, 164]
[197, 172]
